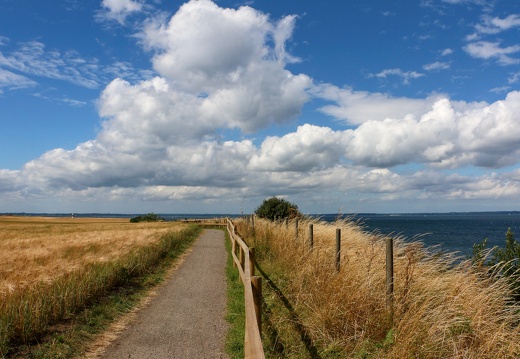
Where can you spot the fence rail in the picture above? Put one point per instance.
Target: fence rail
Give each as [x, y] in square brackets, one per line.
[207, 221]
[244, 260]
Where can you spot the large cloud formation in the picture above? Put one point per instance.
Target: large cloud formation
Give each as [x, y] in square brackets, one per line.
[226, 69]
[163, 131]
[449, 135]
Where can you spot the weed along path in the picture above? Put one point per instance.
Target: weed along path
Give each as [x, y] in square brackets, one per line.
[186, 318]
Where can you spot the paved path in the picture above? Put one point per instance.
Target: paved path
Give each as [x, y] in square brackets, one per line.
[186, 319]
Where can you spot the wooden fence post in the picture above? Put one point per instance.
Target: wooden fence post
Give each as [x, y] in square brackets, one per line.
[287, 223]
[256, 283]
[234, 249]
[241, 256]
[252, 261]
[296, 227]
[338, 248]
[390, 275]
[311, 236]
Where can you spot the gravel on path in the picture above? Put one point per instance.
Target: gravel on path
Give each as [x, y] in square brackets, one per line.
[186, 318]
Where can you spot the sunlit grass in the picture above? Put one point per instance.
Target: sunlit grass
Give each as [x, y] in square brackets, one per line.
[37, 249]
[58, 266]
[441, 310]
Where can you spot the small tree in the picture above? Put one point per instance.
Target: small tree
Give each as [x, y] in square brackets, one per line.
[277, 208]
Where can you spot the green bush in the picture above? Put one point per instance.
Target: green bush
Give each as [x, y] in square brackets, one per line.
[508, 259]
[277, 208]
[150, 217]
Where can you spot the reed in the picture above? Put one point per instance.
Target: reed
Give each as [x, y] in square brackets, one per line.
[441, 308]
[30, 305]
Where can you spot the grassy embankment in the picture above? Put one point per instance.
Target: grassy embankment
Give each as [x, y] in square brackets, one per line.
[441, 310]
[64, 279]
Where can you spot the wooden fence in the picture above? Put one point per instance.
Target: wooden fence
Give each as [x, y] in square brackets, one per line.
[244, 260]
[250, 220]
[206, 221]
[389, 261]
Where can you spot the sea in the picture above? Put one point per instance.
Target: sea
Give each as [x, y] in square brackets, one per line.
[446, 232]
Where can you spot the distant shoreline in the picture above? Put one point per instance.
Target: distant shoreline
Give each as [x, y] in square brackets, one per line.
[450, 231]
[211, 215]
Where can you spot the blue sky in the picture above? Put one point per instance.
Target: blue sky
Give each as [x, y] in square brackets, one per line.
[129, 106]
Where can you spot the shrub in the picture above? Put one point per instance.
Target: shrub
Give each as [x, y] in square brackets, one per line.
[277, 208]
[507, 259]
[150, 217]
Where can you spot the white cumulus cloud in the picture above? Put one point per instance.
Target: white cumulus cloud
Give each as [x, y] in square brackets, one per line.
[450, 135]
[492, 50]
[118, 10]
[309, 148]
[223, 55]
[164, 131]
[495, 25]
[357, 107]
[219, 69]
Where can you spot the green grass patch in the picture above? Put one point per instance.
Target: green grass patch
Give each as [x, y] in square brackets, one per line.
[235, 308]
[60, 320]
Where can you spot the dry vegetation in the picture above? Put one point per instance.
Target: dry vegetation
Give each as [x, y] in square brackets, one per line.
[51, 267]
[441, 310]
[36, 249]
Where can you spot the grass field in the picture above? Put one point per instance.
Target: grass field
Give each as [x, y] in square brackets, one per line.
[36, 249]
[52, 267]
[441, 310]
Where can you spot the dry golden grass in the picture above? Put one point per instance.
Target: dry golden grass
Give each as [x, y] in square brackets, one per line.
[51, 268]
[36, 249]
[441, 310]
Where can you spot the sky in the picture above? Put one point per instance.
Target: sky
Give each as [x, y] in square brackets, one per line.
[137, 106]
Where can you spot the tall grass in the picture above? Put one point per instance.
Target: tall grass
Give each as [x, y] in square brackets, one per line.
[37, 249]
[26, 314]
[441, 309]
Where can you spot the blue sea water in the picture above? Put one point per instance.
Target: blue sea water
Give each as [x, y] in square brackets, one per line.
[451, 232]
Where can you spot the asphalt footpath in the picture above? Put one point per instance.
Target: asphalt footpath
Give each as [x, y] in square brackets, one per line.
[186, 319]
